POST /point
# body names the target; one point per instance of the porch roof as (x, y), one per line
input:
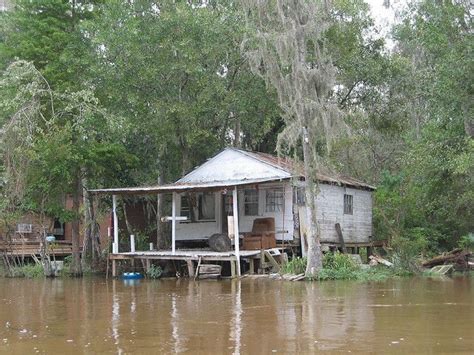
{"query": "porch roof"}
(182, 187)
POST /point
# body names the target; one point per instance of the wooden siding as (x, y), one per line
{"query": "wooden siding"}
(356, 227)
(204, 229)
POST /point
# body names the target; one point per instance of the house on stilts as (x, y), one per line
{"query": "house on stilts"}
(257, 200)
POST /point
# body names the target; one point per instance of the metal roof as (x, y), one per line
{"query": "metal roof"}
(181, 187)
(236, 167)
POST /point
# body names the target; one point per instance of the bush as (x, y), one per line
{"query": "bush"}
(28, 270)
(154, 272)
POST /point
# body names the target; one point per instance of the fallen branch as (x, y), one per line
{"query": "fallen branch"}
(456, 256)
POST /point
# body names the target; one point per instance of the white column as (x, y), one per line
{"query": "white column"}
(236, 228)
(115, 248)
(132, 243)
(173, 223)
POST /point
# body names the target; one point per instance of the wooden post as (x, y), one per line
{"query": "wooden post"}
(232, 268)
(115, 248)
(252, 266)
(114, 268)
(173, 224)
(236, 229)
(190, 268)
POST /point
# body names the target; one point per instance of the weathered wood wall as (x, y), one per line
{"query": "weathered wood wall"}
(356, 227)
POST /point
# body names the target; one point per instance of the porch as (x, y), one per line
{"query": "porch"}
(194, 258)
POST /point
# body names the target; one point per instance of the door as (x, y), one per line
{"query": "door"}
(227, 210)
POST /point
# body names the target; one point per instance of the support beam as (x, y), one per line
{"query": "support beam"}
(236, 228)
(173, 223)
(115, 248)
(190, 268)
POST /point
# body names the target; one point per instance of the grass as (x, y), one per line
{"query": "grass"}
(28, 270)
(337, 266)
(294, 266)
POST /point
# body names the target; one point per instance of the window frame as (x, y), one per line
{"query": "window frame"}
(274, 200)
(348, 204)
(200, 196)
(254, 203)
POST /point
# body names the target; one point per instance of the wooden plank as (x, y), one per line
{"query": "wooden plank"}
(197, 269)
(272, 261)
(341, 238)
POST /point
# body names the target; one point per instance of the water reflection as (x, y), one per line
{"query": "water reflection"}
(236, 320)
(68, 315)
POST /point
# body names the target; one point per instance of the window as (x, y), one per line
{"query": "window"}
(274, 200)
(185, 207)
(205, 203)
(299, 197)
(251, 202)
(348, 204)
(207, 206)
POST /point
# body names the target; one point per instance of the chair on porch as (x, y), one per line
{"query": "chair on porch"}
(262, 235)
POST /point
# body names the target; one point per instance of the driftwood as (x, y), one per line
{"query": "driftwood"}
(219, 242)
(375, 259)
(457, 256)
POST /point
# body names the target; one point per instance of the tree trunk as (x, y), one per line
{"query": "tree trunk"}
(237, 130)
(314, 254)
(76, 269)
(160, 235)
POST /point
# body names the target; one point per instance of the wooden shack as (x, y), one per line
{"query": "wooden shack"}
(233, 189)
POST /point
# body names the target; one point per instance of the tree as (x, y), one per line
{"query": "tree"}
(53, 142)
(288, 48)
(175, 71)
(433, 191)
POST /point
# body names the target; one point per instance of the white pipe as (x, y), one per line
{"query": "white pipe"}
(236, 228)
(173, 224)
(132, 243)
(151, 246)
(115, 246)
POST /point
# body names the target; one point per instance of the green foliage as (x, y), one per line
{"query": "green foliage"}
(28, 271)
(467, 242)
(295, 266)
(338, 266)
(154, 272)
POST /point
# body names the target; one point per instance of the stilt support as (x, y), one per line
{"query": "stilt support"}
(190, 268)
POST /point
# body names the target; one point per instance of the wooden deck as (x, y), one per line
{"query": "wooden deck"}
(30, 248)
(189, 256)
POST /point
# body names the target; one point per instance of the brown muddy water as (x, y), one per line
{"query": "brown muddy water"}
(92, 315)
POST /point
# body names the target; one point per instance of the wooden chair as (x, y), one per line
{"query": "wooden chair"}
(262, 235)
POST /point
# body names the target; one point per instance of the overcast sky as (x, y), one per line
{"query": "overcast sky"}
(385, 17)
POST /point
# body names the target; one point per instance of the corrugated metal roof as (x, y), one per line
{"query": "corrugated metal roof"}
(296, 169)
(235, 167)
(179, 187)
